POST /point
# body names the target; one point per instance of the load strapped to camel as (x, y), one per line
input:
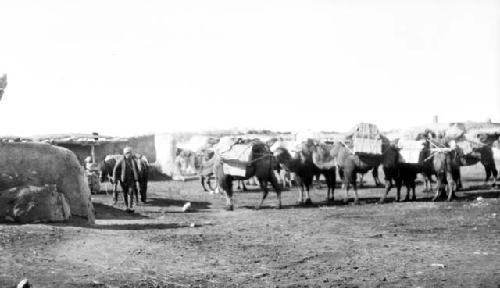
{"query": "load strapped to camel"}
(366, 138)
(323, 158)
(237, 158)
(410, 150)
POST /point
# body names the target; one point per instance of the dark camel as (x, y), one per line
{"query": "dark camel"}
(261, 166)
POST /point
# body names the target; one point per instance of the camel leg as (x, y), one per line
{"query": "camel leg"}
(378, 183)
(115, 194)
(341, 175)
(495, 175)
(413, 188)
(229, 203)
(347, 180)
(301, 194)
(399, 184)
(407, 195)
(265, 191)
(352, 179)
(209, 184)
(276, 187)
(241, 185)
(388, 186)
(427, 182)
(328, 184)
(450, 188)
(287, 182)
(438, 188)
(136, 196)
(318, 180)
(356, 197)
(488, 175)
(459, 180)
(229, 195)
(491, 172)
(203, 183)
(308, 196)
(300, 189)
(333, 179)
(361, 180)
(279, 178)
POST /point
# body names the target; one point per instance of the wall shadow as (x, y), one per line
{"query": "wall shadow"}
(108, 212)
(145, 226)
(165, 202)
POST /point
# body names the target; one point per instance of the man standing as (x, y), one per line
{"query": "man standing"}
(128, 177)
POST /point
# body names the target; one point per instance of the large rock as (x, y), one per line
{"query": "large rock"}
(39, 164)
(31, 204)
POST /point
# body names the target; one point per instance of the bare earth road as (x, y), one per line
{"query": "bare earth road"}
(419, 244)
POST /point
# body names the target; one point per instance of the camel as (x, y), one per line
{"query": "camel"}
(485, 156)
(261, 166)
(326, 164)
(445, 164)
(205, 168)
(304, 170)
(350, 165)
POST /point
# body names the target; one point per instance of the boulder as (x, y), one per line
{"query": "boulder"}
(32, 204)
(39, 164)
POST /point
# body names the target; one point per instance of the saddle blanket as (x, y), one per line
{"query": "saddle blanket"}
(323, 159)
(236, 160)
(410, 150)
(367, 145)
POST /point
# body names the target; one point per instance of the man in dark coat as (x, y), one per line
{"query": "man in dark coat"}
(129, 177)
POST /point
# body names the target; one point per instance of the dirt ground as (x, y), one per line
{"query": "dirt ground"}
(419, 244)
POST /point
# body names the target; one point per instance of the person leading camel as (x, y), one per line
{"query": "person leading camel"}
(128, 179)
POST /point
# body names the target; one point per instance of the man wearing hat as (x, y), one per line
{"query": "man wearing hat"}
(128, 177)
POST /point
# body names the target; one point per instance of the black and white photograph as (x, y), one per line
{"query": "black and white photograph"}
(249, 143)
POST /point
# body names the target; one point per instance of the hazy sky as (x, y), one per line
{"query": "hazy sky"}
(131, 67)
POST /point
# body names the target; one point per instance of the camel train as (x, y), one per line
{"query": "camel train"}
(439, 159)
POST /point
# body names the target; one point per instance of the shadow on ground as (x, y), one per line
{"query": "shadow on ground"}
(107, 212)
(165, 202)
(141, 226)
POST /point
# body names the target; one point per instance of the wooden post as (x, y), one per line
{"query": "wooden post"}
(92, 147)
(92, 152)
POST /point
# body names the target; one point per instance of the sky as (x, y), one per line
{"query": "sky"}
(131, 67)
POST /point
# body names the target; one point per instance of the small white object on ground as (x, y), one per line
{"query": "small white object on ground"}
(437, 265)
(23, 284)
(186, 207)
(192, 225)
